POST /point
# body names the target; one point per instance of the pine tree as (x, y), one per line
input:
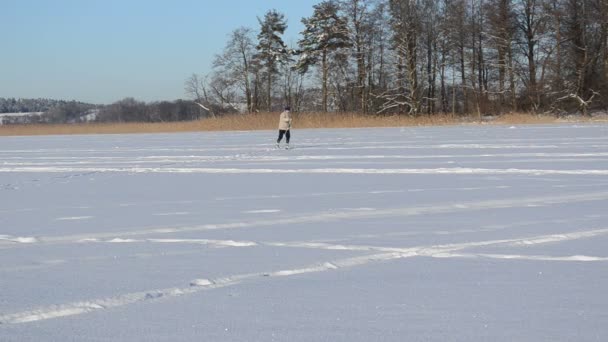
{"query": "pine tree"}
(272, 51)
(325, 31)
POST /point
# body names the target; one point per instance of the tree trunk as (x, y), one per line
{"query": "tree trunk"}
(604, 39)
(429, 71)
(360, 61)
(248, 94)
(501, 76)
(453, 93)
(531, 71)
(444, 95)
(381, 78)
(256, 92)
(269, 90)
(412, 72)
(530, 53)
(558, 85)
(401, 81)
(504, 41)
(325, 72)
(361, 78)
(369, 74)
(463, 79)
(511, 78)
(481, 69)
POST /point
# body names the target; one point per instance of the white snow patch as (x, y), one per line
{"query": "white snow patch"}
(88, 240)
(560, 237)
(264, 211)
(165, 230)
(18, 239)
(74, 218)
(201, 282)
(180, 213)
(573, 258)
(119, 240)
(221, 243)
(318, 268)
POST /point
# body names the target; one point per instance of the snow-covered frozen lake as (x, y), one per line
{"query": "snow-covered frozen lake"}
(467, 233)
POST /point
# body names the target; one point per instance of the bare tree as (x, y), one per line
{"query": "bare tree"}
(195, 87)
(582, 54)
(236, 62)
(532, 24)
(358, 14)
(405, 17)
(478, 75)
(430, 28)
(456, 28)
(225, 90)
(378, 45)
(500, 32)
(292, 86)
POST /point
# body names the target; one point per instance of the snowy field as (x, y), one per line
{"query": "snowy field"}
(469, 233)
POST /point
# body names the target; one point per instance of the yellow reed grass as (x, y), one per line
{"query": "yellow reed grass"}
(269, 121)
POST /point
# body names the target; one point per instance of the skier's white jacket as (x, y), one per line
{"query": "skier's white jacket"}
(285, 121)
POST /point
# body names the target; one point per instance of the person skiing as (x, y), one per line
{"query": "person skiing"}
(284, 126)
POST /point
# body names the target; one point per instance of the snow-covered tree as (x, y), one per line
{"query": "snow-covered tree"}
(406, 22)
(272, 51)
(325, 32)
(360, 25)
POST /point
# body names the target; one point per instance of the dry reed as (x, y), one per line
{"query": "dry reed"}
(269, 121)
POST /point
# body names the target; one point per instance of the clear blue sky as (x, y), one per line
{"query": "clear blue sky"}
(101, 51)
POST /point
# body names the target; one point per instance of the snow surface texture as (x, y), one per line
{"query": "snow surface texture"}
(404, 234)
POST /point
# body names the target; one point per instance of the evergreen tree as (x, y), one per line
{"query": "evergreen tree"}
(325, 31)
(272, 51)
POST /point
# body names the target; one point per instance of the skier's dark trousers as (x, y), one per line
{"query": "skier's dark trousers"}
(286, 133)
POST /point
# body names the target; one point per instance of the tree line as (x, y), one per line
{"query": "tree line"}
(12, 105)
(417, 57)
(131, 110)
(125, 110)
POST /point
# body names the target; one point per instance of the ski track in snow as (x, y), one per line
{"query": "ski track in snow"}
(201, 284)
(236, 159)
(321, 245)
(457, 170)
(328, 217)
